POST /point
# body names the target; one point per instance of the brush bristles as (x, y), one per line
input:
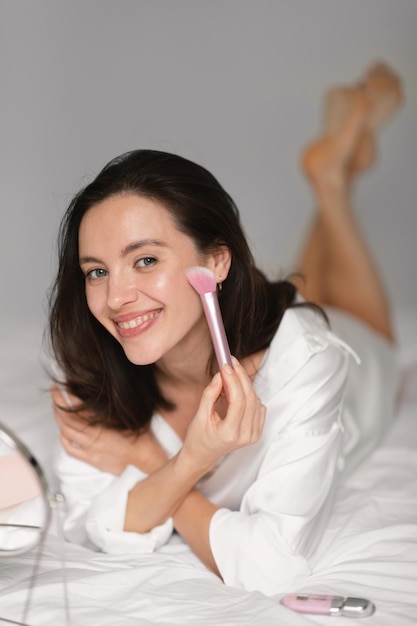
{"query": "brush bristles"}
(202, 279)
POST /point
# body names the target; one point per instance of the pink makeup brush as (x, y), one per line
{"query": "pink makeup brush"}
(204, 282)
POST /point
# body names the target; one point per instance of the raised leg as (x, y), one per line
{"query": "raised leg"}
(336, 263)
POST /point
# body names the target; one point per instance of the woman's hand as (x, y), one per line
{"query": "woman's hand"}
(209, 436)
(106, 449)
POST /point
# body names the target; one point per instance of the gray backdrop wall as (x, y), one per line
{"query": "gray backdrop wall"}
(235, 84)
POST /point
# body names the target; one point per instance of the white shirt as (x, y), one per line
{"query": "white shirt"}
(325, 412)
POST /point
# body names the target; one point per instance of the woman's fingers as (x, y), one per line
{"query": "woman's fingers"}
(246, 414)
(219, 427)
(75, 434)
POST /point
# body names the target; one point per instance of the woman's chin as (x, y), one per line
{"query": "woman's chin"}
(141, 358)
(135, 360)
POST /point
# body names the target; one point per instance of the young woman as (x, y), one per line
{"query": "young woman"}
(149, 442)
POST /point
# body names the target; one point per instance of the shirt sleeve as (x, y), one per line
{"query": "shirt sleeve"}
(96, 507)
(266, 544)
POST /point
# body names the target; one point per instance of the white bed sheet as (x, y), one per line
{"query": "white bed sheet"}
(369, 550)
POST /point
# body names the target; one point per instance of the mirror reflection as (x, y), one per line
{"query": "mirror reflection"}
(24, 507)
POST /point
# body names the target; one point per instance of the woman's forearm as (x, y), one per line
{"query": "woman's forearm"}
(156, 498)
(192, 521)
(169, 492)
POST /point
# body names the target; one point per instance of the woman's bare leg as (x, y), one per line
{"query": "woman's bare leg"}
(336, 262)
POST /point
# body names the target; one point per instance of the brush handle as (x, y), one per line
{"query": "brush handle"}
(215, 323)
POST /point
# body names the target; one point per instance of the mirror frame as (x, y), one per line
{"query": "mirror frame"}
(10, 440)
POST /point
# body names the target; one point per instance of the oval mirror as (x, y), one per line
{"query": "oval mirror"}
(24, 501)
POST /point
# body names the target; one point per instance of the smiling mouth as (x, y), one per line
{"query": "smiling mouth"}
(138, 321)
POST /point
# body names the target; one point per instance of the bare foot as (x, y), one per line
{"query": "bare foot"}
(352, 117)
(331, 157)
(384, 92)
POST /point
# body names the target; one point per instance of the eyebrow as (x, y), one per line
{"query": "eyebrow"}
(131, 247)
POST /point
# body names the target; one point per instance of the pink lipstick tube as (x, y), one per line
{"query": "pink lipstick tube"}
(336, 606)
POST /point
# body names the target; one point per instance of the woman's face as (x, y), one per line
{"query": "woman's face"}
(134, 260)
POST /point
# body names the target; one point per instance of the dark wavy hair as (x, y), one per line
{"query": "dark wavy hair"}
(114, 392)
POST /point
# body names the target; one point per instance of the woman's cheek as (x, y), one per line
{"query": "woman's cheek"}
(94, 302)
(161, 282)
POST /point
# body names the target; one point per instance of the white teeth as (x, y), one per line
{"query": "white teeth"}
(138, 321)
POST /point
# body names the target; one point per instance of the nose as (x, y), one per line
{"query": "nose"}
(121, 290)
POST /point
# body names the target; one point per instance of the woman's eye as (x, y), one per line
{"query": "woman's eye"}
(95, 274)
(146, 261)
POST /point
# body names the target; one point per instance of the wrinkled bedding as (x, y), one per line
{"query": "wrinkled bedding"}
(369, 549)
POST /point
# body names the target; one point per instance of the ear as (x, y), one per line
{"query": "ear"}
(219, 262)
